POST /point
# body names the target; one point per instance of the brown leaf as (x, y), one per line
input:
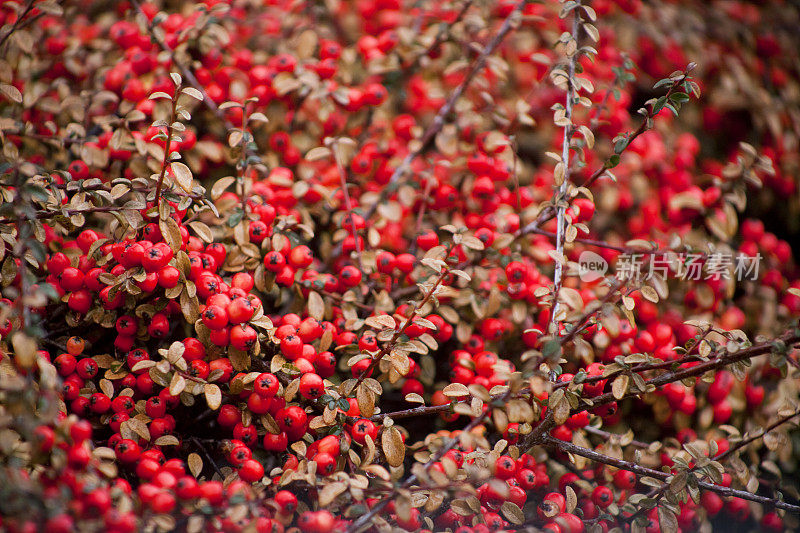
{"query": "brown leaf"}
(167, 440)
(330, 492)
(455, 390)
(177, 385)
(202, 231)
(183, 176)
(366, 401)
(195, 464)
(393, 447)
(620, 386)
(316, 307)
(219, 187)
(512, 512)
(213, 395)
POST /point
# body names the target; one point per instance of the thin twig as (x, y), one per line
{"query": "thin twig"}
(165, 162)
(663, 476)
(560, 194)
(441, 117)
(364, 519)
(18, 24)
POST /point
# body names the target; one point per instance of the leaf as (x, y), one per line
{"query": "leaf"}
(512, 512)
(11, 92)
(330, 492)
(195, 464)
(202, 231)
(171, 233)
(320, 152)
(194, 93)
(213, 396)
(455, 390)
(667, 520)
(316, 307)
(235, 138)
(167, 440)
(413, 397)
(620, 386)
(649, 293)
(177, 385)
(183, 176)
(366, 401)
(472, 242)
(393, 447)
(24, 349)
(138, 427)
(219, 187)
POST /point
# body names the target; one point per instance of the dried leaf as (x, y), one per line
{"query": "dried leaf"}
(316, 307)
(195, 464)
(213, 395)
(393, 447)
(182, 175)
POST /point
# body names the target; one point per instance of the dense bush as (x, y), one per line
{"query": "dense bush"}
(339, 266)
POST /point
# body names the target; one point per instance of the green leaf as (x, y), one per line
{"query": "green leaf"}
(612, 161)
(659, 105)
(235, 217)
(662, 83)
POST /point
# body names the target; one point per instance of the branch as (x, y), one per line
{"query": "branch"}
(185, 71)
(663, 476)
(440, 38)
(744, 442)
(540, 431)
(348, 204)
(388, 347)
(364, 519)
(607, 435)
(559, 195)
(165, 162)
(40, 215)
(646, 124)
(18, 24)
(441, 117)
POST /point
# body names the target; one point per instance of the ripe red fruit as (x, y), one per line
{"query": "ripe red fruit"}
(240, 310)
(276, 442)
(505, 467)
(214, 317)
(300, 257)
(311, 386)
(266, 385)
(624, 479)
(243, 337)
(251, 471)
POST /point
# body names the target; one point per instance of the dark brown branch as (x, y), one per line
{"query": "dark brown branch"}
(364, 520)
(165, 162)
(664, 476)
(19, 23)
(744, 442)
(730, 358)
